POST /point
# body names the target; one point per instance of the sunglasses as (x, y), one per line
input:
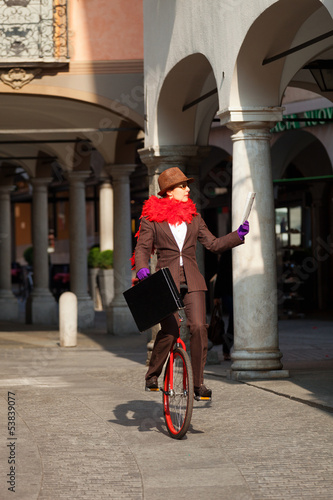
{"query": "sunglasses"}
(184, 185)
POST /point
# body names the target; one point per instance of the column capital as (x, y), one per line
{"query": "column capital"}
(240, 118)
(77, 175)
(40, 181)
(105, 181)
(160, 158)
(119, 171)
(6, 188)
(104, 175)
(255, 131)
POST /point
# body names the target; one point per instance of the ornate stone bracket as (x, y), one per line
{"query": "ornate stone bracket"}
(18, 77)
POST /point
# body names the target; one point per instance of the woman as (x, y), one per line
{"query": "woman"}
(171, 226)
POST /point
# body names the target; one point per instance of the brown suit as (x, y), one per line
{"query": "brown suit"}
(159, 236)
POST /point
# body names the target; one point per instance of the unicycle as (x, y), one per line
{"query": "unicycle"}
(178, 391)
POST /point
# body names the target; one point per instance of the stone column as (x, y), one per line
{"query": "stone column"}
(256, 346)
(78, 248)
(106, 215)
(41, 305)
(8, 302)
(119, 318)
(103, 279)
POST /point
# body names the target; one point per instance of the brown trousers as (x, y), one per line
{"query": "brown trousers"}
(195, 310)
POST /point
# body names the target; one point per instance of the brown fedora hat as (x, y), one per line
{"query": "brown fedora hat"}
(170, 178)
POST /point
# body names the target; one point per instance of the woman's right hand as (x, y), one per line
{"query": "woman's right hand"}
(243, 230)
(143, 273)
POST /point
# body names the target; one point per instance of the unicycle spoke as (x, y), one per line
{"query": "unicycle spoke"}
(178, 397)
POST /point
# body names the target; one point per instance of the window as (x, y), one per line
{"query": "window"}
(33, 31)
(288, 226)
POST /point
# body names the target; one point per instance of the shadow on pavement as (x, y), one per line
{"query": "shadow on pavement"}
(145, 416)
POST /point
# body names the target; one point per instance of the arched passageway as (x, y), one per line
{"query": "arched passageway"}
(303, 178)
(57, 151)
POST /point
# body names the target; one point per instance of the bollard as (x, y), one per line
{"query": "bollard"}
(68, 319)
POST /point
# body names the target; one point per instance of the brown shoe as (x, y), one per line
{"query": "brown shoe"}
(202, 393)
(152, 384)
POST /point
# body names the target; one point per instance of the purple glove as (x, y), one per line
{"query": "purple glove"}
(243, 230)
(143, 273)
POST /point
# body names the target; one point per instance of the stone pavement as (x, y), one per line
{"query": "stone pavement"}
(86, 429)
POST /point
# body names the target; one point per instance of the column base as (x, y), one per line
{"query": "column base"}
(119, 319)
(41, 308)
(85, 312)
(256, 360)
(257, 364)
(9, 310)
(256, 374)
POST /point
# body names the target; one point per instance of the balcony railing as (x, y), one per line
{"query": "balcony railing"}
(33, 31)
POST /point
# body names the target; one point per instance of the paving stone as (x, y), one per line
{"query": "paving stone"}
(86, 429)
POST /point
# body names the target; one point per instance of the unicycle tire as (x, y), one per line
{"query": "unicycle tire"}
(178, 403)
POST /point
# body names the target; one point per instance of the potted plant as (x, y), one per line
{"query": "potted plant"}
(28, 255)
(93, 268)
(93, 257)
(105, 259)
(105, 277)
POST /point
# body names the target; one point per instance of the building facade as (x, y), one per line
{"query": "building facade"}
(71, 93)
(227, 92)
(236, 61)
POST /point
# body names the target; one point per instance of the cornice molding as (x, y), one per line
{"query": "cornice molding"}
(18, 76)
(105, 67)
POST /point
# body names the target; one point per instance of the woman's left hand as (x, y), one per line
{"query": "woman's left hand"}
(143, 273)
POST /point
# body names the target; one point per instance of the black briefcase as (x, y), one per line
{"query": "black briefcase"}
(153, 299)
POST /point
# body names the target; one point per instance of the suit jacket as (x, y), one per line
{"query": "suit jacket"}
(159, 236)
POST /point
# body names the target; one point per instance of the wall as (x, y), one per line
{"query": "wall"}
(106, 30)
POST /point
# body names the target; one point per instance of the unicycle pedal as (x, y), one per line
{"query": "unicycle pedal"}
(202, 393)
(152, 389)
(202, 398)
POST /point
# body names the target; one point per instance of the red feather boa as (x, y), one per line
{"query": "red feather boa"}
(167, 210)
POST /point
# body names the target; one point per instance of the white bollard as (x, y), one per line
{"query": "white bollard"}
(68, 319)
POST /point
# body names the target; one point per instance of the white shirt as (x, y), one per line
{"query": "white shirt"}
(179, 233)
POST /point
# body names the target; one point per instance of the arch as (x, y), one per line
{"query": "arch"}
(81, 96)
(299, 145)
(51, 113)
(300, 164)
(282, 26)
(188, 80)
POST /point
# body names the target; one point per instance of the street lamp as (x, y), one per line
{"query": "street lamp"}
(322, 72)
